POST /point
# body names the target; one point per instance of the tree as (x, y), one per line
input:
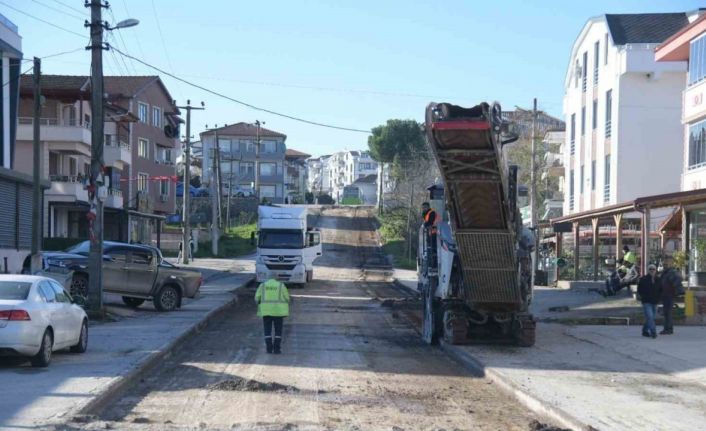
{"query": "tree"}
(396, 138)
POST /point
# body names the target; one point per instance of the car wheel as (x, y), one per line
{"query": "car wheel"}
(133, 302)
(79, 285)
(167, 299)
(82, 344)
(43, 357)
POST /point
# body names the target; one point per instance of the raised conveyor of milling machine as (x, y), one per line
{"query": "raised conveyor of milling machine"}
(480, 279)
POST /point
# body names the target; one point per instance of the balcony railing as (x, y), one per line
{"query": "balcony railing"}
(608, 129)
(68, 178)
(52, 121)
(115, 192)
(606, 193)
(571, 203)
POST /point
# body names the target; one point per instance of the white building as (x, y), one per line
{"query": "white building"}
(554, 169)
(623, 111)
(317, 175)
(344, 168)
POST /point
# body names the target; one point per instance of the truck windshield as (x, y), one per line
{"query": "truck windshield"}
(281, 238)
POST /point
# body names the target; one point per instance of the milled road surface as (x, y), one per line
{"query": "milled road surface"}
(350, 361)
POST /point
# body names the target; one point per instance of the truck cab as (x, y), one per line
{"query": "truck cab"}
(286, 246)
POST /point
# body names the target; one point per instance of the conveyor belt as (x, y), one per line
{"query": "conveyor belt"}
(467, 148)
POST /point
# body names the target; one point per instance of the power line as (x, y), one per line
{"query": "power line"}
(42, 20)
(23, 73)
(55, 9)
(164, 45)
(137, 39)
(82, 12)
(124, 45)
(45, 57)
(240, 102)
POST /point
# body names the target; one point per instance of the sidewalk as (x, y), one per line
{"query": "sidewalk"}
(41, 397)
(608, 377)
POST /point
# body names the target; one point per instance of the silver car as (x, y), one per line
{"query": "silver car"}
(38, 317)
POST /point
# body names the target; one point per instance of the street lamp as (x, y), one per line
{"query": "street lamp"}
(130, 22)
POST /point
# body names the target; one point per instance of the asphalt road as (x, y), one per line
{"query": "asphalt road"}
(351, 360)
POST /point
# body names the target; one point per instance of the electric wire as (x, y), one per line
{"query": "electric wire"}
(82, 12)
(122, 40)
(61, 11)
(164, 45)
(42, 20)
(137, 39)
(240, 102)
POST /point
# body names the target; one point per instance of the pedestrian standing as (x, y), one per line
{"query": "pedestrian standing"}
(650, 290)
(272, 298)
(671, 281)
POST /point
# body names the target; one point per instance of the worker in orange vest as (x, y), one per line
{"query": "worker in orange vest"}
(431, 220)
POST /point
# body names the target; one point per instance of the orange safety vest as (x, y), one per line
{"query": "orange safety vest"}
(427, 219)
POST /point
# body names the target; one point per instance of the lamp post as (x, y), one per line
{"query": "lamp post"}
(96, 188)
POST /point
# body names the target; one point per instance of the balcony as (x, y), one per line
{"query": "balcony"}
(63, 135)
(67, 188)
(116, 153)
(114, 199)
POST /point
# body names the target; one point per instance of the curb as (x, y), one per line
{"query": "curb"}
(122, 383)
(520, 394)
(401, 285)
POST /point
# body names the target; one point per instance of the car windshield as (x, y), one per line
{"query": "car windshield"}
(17, 290)
(82, 248)
(284, 238)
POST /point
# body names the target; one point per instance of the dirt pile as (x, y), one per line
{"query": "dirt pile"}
(535, 425)
(249, 385)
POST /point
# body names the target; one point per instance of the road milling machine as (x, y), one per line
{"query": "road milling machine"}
(475, 263)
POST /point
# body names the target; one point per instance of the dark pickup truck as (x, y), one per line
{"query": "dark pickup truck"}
(136, 272)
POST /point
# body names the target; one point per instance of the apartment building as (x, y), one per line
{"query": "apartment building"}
(688, 46)
(622, 111)
(237, 157)
(553, 174)
(295, 175)
(318, 175)
(15, 186)
(138, 153)
(346, 167)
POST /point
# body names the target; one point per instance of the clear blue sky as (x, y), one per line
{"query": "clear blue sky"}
(354, 64)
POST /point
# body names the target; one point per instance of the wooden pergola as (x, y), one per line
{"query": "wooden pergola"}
(615, 213)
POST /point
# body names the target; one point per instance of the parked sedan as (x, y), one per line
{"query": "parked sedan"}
(38, 317)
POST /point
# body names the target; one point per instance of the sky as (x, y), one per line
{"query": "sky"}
(349, 63)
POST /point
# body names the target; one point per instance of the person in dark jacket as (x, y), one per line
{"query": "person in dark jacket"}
(671, 282)
(650, 290)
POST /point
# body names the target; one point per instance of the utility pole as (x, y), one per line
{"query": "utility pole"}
(95, 215)
(36, 263)
(215, 191)
(186, 239)
(257, 161)
(381, 171)
(533, 184)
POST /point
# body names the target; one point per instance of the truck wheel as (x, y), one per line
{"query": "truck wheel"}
(133, 302)
(43, 357)
(167, 299)
(79, 285)
(525, 330)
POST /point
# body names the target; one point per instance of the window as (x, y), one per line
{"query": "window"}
(697, 145)
(73, 166)
(61, 295)
(583, 121)
(606, 179)
(118, 256)
(247, 168)
(268, 169)
(268, 146)
(593, 175)
(573, 133)
(156, 116)
(571, 190)
(164, 187)
(143, 182)
(249, 146)
(14, 290)
(577, 74)
(143, 148)
(594, 115)
(697, 60)
(596, 60)
(47, 292)
(608, 112)
(605, 50)
(584, 71)
(141, 257)
(53, 163)
(267, 191)
(142, 112)
(167, 154)
(86, 120)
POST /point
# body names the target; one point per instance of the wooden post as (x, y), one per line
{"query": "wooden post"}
(618, 218)
(576, 251)
(558, 250)
(645, 240)
(595, 242)
(684, 236)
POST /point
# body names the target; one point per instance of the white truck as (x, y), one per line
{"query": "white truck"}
(286, 246)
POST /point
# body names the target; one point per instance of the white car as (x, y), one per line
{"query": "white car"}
(38, 317)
